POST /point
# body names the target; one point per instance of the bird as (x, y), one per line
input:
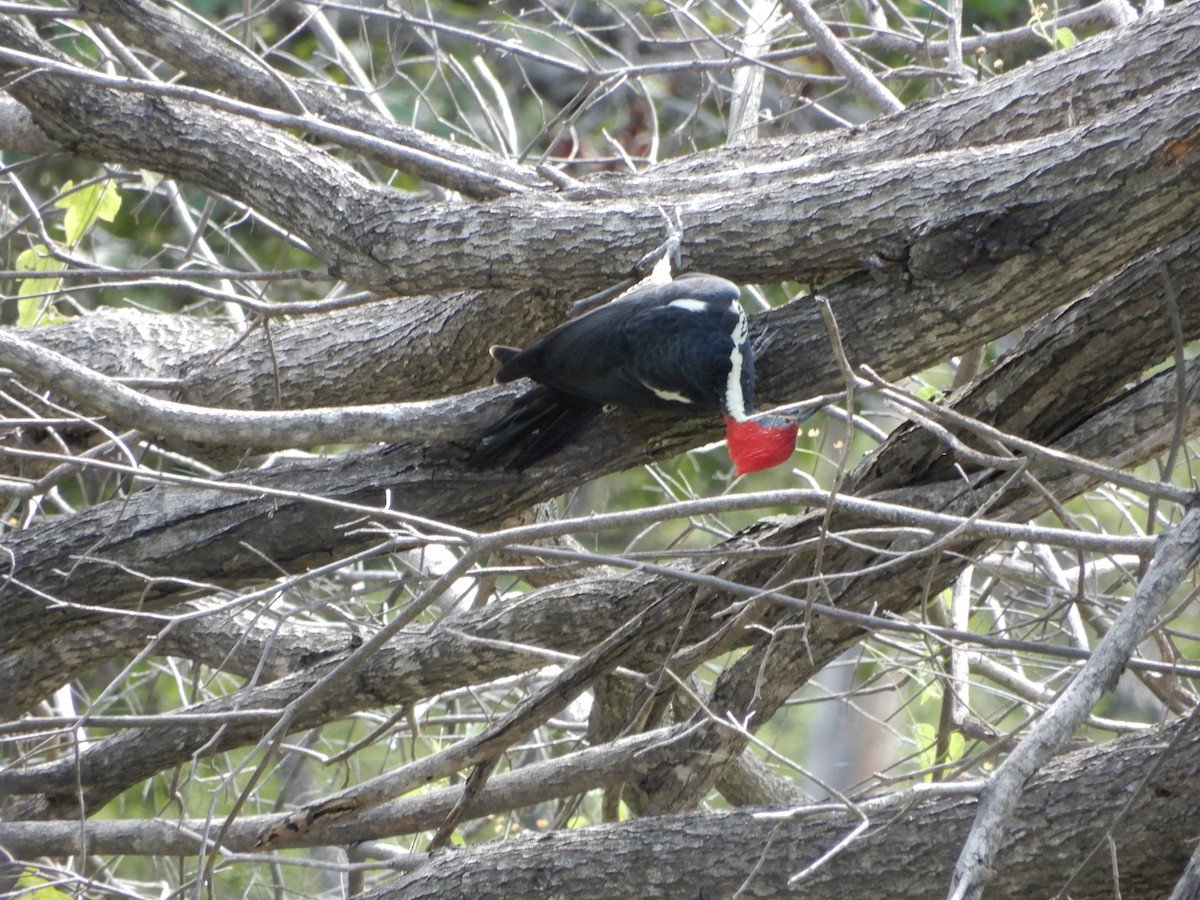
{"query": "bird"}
(680, 346)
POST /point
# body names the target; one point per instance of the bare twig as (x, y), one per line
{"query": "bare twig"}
(1175, 556)
(448, 419)
(855, 73)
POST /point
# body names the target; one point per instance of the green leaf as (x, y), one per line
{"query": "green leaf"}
(35, 887)
(926, 757)
(930, 693)
(36, 294)
(1064, 38)
(926, 739)
(958, 746)
(101, 200)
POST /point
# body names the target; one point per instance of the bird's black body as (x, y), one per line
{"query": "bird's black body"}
(657, 343)
(679, 347)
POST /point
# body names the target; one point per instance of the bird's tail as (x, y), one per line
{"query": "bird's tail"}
(538, 423)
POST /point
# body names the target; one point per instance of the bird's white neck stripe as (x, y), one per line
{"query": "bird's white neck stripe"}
(735, 402)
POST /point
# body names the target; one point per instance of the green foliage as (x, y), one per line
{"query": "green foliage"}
(34, 295)
(34, 886)
(1042, 22)
(925, 735)
(84, 206)
(100, 201)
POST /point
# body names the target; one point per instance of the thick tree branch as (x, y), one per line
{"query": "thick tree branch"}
(108, 550)
(910, 852)
(224, 65)
(433, 420)
(1063, 817)
(572, 773)
(430, 341)
(245, 642)
(758, 234)
(776, 841)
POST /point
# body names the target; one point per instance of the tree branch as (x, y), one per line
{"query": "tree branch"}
(1064, 814)
(841, 58)
(934, 202)
(433, 420)
(224, 65)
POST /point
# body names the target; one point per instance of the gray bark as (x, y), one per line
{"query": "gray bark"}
(1053, 199)
(1060, 826)
(906, 853)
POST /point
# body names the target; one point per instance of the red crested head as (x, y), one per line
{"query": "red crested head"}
(760, 443)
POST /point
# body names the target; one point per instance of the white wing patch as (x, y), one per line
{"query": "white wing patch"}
(690, 305)
(669, 395)
(735, 403)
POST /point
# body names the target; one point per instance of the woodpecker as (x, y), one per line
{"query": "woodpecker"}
(678, 347)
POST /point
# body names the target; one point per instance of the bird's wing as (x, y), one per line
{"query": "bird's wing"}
(581, 347)
(663, 347)
(681, 356)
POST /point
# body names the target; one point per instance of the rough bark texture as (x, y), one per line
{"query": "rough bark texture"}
(1083, 164)
(905, 853)
(1060, 199)
(1061, 827)
(146, 534)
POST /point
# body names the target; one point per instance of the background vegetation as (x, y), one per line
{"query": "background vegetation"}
(265, 634)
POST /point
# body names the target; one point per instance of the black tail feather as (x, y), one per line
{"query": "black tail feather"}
(540, 422)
